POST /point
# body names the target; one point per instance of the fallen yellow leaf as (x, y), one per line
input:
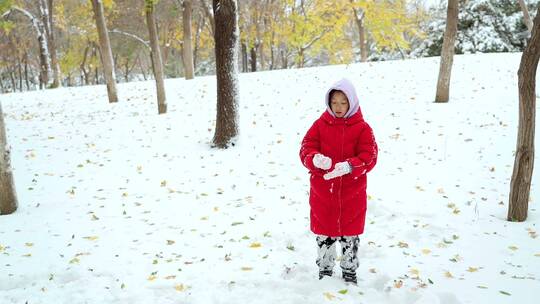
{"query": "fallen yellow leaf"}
(448, 275)
(255, 245)
(170, 242)
(329, 296)
(74, 261)
(247, 268)
(91, 238)
(513, 247)
(398, 284)
(180, 287)
(426, 251)
(472, 269)
(152, 277)
(29, 244)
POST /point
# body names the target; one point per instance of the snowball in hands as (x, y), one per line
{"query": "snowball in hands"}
(339, 170)
(322, 162)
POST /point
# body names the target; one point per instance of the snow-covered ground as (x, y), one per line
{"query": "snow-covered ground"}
(120, 205)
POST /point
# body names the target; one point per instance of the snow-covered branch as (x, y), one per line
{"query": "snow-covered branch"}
(137, 38)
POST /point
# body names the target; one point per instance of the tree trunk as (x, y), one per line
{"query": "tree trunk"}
(226, 42)
(83, 68)
(2, 89)
(209, 16)
(105, 51)
(447, 52)
(19, 69)
(253, 59)
(526, 16)
(520, 185)
(13, 82)
(361, 33)
(48, 21)
(156, 57)
(8, 197)
(26, 70)
(244, 57)
(188, 49)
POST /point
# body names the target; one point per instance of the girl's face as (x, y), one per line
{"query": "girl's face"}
(339, 104)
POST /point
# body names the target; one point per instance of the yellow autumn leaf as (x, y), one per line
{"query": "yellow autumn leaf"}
(398, 284)
(247, 268)
(2, 248)
(170, 242)
(74, 261)
(329, 296)
(29, 244)
(170, 277)
(255, 245)
(91, 238)
(448, 275)
(472, 269)
(27, 255)
(204, 218)
(426, 251)
(414, 271)
(536, 255)
(152, 277)
(163, 183)
(179, 287)
(514, 248)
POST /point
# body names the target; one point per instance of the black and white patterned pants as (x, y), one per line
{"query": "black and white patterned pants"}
(327, 252)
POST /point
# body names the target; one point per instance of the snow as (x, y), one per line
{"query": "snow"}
(121, 205)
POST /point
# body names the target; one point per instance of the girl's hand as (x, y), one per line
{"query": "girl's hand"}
(339, 170)
(322, 162)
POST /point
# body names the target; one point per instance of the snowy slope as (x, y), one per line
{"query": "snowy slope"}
(120, 205)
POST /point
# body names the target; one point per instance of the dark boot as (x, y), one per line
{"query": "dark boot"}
(323, 273)
(349, 277)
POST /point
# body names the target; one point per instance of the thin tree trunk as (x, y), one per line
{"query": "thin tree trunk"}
(2, 89)
(226, 48)
(19, 69)
(83, 67)
(209, 15)
(200, 25)
(253, 59)
(361, 34)
(156, 57)
(105, 51)
(187, 48)
(26, 70)
(8, 196)
(447, 52)
(520, 185)
(48, 21)
(526, 16)
(244, 57)
(13, 82)
(142, 69)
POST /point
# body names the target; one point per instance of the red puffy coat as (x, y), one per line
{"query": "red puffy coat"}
(338, 206)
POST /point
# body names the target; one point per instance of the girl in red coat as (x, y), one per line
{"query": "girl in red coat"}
(339, 149)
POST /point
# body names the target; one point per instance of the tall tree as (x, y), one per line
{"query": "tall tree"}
(520, 185)
(156, 55)
(106, 52)
(447, 52)
(226, 46)
(187, 48)
(8, 197)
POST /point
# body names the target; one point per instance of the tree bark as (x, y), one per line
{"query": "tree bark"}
(8, 196)
(83, 68)
(447, 52)
(26, 70)
(187, 48)
(156, 57)
(226, 48)
(520, 184)
(526, 16)
(105, 51)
